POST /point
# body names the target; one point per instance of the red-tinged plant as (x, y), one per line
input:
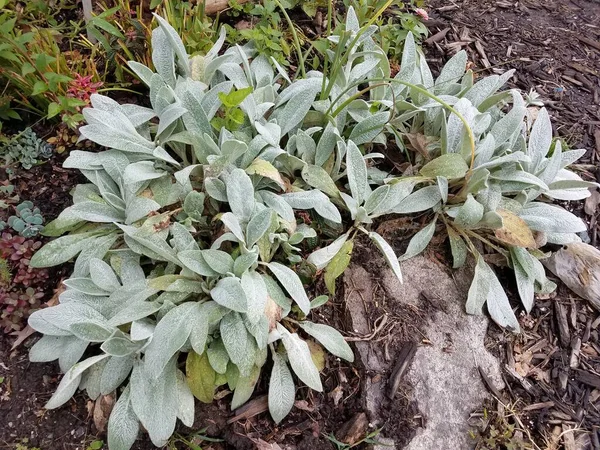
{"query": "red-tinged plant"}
(21, 286)
(82, 87)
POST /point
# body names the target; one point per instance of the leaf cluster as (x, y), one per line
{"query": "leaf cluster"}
(25, 148)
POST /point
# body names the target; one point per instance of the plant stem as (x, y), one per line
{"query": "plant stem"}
(295, 37)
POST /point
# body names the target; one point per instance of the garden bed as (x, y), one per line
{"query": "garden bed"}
(555, 47)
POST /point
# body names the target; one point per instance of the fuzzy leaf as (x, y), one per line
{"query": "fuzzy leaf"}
(282, 391)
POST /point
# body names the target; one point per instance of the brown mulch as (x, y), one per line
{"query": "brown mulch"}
(552, 370)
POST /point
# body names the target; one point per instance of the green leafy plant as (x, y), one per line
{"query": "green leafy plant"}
(26, 149)
(28, 221)
(190, 244)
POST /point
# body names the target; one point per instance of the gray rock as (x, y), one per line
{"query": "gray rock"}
(446, 385)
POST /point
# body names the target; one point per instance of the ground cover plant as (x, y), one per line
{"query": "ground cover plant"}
(209, 210)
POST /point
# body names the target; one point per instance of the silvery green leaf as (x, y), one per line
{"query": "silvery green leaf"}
(256, 294)
(357, 173)
(138, 115)
(399, 190)
(469, 213)
(270, 131)
(233, 224)
(388, 253)
(450, 165)
(193, 205)
(245, 387)
(551, 219)
(366, 130)
(151, 245)
(421, 200)
(102, 275)
(96, 212)
(442, 183)
(119, 346)
(163, 56)
(185, 400)
(487, 289)
(176, 44)
(215, 188)
(570, 156)
(321, 257)
(525, 285)
(510, 124)
(142, 329)
(218, 260)
(141, 171)
(562, 238)
(123, 425)
(199, 325)
(326, 144)
(154, 400)
(452, 71)
(70, 382)
(540, 139)
(455, 128)
(138, 208)
(292, 284)
(419, 241)
(171, 333)
(517, 176)
(278, 203)
(143, 72)
(217, 356)
(330, 338)
(409, 59)
(111, 133)
(300, 359)
(229, 293)
(244, 262)
(48, 348)
(480, 287)
(482, 89)
(240, 345)
(258, 226)
(318, 178)
(299, 97)
(240, 195)
(551, 170)
(135, 310)
(282, 391)
(458, 248)
(498, 305)
(116, 370)
(168, 116)
(569, 186)
(316, 200)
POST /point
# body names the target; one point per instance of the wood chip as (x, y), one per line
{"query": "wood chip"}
(563, 324)
(588, 41)
(404, 359)
(437, 37)
(354, 430)
(536, 406)
(251, 409)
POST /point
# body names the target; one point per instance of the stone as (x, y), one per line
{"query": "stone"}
(446, 385)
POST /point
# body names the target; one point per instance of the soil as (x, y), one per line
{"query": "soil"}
(555, 47)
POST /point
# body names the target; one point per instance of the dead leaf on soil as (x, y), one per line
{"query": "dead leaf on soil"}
(591, 203)
(419, 143)
(21, 335)
(578, 266)
(263, 445)
(514, 230)
(102, 409)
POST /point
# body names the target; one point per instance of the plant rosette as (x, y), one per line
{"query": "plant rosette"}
(195, 224)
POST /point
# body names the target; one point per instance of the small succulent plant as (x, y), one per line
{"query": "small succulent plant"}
(28, 221)
(25, 148)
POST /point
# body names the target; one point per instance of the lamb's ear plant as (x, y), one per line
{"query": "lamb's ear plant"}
(209, 211)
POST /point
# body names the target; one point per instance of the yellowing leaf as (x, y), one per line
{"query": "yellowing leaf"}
(201, 377)
(265, 169)
(450, 166)
(337, 265)
(514, 230)
(317, 353)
